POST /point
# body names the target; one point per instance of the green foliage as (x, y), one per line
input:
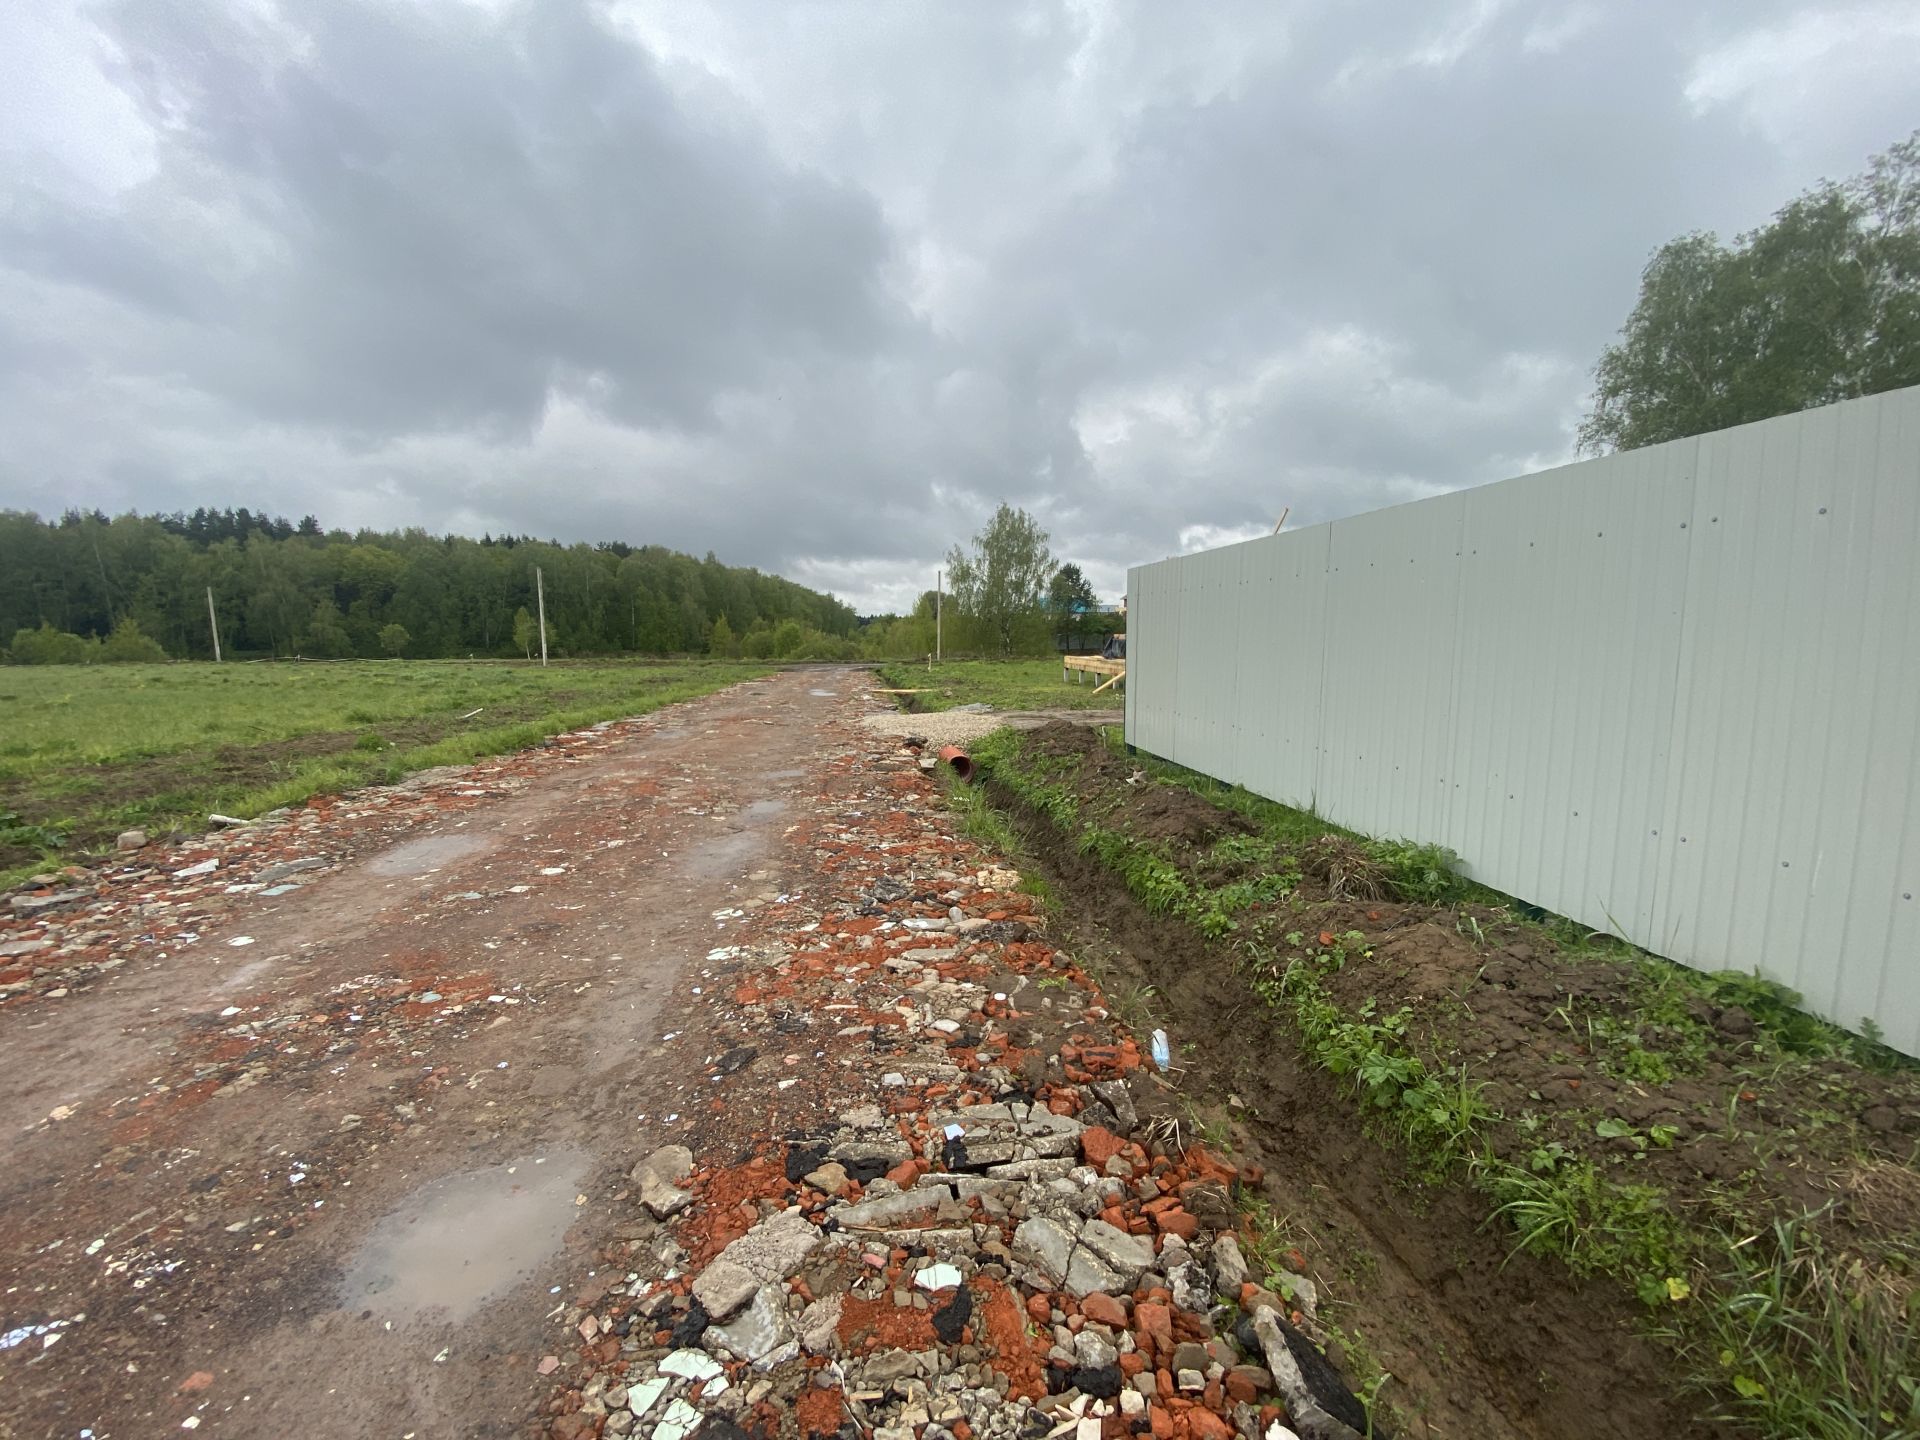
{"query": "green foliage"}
(86, 753)
(1000, 585)
(1807, 1342)
(977, 815)
(1003, 684)
(1820, 304)
(1592, 1223)
(1068, 592)
(720, 641)
(48, 646)
(27, 835)
(130, 645)
(282, 590)
(327, 637)
(394, 639)
(1777, 1010)
(1423, 874)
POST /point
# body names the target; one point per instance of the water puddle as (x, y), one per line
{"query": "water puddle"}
(416, 857)
(724, 856)
(824, 694)
(466, 1238)
(783, 775)
(760, 810)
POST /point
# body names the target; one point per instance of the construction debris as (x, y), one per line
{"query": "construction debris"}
(989, 1231)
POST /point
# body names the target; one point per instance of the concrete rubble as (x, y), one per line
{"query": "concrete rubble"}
(984, 1232)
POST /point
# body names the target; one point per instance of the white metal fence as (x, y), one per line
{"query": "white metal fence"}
(1672, 693)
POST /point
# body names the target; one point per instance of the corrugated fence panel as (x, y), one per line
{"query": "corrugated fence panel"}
(1153, 655)
(1282, 640)
(1673, 693)
(1393, 583)
(1554, 798)
(1788, 840)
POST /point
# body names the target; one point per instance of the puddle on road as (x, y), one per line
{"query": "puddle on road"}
(724, 855)
(824, 694)
(783, 774)
(762, 810)
(418, 856)
(463, 1239)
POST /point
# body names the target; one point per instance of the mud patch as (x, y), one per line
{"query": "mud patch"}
(465, 1239)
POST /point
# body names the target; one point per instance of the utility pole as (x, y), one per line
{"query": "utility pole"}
(939, 579)
(214, 621)
(540, 589)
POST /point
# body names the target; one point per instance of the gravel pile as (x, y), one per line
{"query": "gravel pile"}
(941, 727)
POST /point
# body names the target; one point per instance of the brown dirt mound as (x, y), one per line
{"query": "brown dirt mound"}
(1152, 812)
(1058, 739)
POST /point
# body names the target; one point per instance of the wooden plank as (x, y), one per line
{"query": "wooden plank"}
(1113, 680)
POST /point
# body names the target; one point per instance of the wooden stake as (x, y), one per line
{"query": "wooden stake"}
(540, 589)
(214, 621)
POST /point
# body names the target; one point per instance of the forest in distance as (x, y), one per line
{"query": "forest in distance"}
(86, 588)
(135, 587)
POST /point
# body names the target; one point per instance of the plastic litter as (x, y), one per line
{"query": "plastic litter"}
(1162, 1053)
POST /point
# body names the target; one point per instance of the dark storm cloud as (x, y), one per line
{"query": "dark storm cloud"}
(817, 285)
(428, 218)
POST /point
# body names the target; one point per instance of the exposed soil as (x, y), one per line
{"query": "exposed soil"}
(1480, 1341)
(237, 1122)
(1723, 1115)
(1516, 1007)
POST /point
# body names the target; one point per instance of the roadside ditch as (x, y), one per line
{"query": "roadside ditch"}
(1550, 1188)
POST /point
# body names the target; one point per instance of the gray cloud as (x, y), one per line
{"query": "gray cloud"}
(817, 285)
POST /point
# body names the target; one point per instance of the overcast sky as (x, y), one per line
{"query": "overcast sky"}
(815, 286)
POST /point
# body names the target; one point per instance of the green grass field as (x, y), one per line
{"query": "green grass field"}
(89, 751)
(1004, 684)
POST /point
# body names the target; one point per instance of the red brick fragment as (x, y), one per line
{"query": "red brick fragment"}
(1099, 1145)
(1176, 1222)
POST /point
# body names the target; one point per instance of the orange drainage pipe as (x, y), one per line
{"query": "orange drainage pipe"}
(961, 762)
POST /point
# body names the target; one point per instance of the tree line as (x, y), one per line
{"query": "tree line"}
(87, 587)
(1820, 304)
(1006, 595)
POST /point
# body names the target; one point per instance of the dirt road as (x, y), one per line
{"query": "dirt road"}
(686, 1078)
(320, 1163)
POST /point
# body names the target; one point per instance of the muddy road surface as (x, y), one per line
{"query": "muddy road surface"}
(317, 1148)
(694, 1077)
